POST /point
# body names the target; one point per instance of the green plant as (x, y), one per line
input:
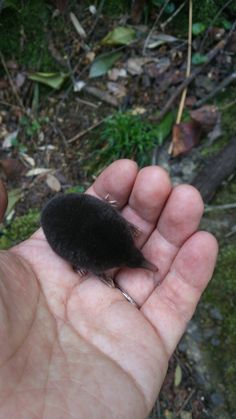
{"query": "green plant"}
(32, 126)
(127, 136)
(20, 229)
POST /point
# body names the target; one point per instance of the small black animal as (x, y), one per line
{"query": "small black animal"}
(90, 234)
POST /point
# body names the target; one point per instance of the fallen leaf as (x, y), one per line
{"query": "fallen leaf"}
(7, 142)
(12, 168)
(53, 183)
(54, 80)
(20, 80)
(119, 36)
(37, 171)
(4, 84)
(135, 65)
(77, 25)
(138, 110)
(198, 28)
(14, 196)
(160, 39)
(185, 136)
(154, 70)
(165, 126)
(186, 415)
(115, 73)
(198, 58)
(206, 116)
(117, 89)
(103, 63)
(28, 159)
(79, 85)
(178, 375)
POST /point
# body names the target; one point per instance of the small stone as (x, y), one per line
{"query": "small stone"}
(215, 341)
(217, 399)
(216, 314)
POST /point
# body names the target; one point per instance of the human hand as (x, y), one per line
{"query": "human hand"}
(71, 346)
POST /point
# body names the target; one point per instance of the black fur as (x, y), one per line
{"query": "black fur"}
(90, 234)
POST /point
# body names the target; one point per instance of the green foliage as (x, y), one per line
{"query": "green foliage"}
(22, 33)
(20, 229)
(126, 136)
(32, 126)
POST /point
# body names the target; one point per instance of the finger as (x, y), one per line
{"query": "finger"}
(3, 200)
(172, 304)
(178, 221)
(148, 197)
(116, 181)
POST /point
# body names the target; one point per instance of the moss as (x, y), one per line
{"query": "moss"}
(23, 34)
(221, 294)
(20, 229)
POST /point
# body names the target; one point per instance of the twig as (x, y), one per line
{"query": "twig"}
(227, 106)
(185, 402)
(20, 103)
(211, 25)
(210, 208)
(99, 11)
(82, 133)
(210, 56)
(86, 102)
(217, 89)
(99, 94)
(188, 70)
(164, 24)
(154, 25)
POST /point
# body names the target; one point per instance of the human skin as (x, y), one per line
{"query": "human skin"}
(71, 347)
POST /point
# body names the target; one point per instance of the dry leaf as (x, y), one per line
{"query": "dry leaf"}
(115, 73)
(7, 143)
(117, 89)
(78, 27)
(185, 136)
(28, 159)
(206, 116)
(53, 183)
(12, 168)
(38, 171)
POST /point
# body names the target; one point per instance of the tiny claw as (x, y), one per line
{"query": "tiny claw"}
(80, 271)
(107, 279)
(113, 203)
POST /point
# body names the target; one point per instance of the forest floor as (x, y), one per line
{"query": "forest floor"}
(79, 89)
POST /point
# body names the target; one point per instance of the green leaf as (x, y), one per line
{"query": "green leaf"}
(178, 375)
(226, 24)
(54, 80)
(198, 59)
(165, 127)
(13, 197)
(103, 63)
(198, 28)
(170, 8)
(119, 36)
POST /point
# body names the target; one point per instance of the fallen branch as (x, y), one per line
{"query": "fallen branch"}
(228, 80)
(85, 131)
(209, 57)
(217, 169)
(100, 94)
(14, 89)
(210, 208)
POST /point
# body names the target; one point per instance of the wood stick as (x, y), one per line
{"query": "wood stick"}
(217, 169)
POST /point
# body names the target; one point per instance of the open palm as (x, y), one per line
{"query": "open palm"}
(71, 347)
